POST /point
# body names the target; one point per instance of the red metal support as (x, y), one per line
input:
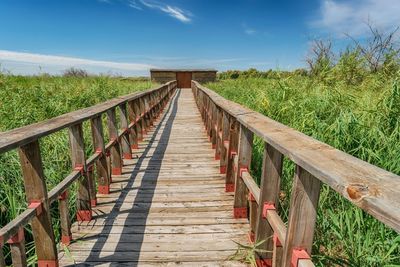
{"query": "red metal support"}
(240, 212)
(37, 205)
(47, 263)
(267, 206)
(18, 237)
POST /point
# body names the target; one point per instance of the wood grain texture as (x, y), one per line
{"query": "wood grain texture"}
(168, 207)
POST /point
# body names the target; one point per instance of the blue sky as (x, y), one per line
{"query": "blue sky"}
(130, 36)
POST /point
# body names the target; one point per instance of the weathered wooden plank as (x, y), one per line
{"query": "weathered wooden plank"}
(243, 164)
(302, 214)
(36, 192)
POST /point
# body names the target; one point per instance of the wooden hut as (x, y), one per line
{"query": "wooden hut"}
(183, 76)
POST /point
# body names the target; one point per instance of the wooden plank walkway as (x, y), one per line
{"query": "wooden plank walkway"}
(169, 206)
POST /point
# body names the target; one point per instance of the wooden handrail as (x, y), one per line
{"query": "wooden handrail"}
(151, 103)
(365, 185)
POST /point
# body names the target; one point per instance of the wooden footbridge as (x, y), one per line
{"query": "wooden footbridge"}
(170, 185)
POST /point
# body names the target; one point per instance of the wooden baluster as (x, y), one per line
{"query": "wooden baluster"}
(209, 118)
(92, 185)
(84, 212)
(143, 117)
(17, 249)
(269, 195)
(115, 150)
(65, 222)
(103, 174)
(132, 119)
(253, 208)
(233, 147)
(219, 143)
(302, 215)
(138, 125)
(213, 125)
(36, 191)
(243, 164)
(125, 143)
(224, 141)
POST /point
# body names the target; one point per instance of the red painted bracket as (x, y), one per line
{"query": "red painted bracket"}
(217, 156)
(84, 215)
(135, 146)
(277, 242)
(47, 263)
(18, 237)
(116, 171)
(267, 206)
(242, 169)
(213, 146)
(93, 203)
(229, 187)
(104, 189)
(37, 205)
(108, 153)
(79, 167)
(66, 240)
(233, 153)
(127, 155)
(99, 151)
(264, 262)
(240, 212)
(298, 254)
(222, 169)
(63, 195)
(251, 197)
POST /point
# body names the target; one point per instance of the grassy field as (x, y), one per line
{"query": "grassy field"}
(362, 120)
(26, 100)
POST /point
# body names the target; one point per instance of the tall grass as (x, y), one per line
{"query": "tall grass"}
(362, 120)
(26, 100)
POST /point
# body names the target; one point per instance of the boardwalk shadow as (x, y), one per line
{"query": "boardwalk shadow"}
(128, 241)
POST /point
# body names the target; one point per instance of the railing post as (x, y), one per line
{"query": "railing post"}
(115, 150)
(65, 222)
(132, 119)
(2, 259)
(84, 212)
(92, 185)
(243, 164)
(213, 132)
(302, 215)
(103, 174)
(233, 146)
(17, 249)
(219, 142)
(224, 142)
(138, 124)
(125, 143)
(269, 195)
(36, 191)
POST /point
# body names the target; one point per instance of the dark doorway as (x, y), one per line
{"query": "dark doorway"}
(184, 79)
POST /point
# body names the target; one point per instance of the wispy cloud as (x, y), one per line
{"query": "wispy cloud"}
(350, 17)
(248, 30)
(172, 11)
(66, 62)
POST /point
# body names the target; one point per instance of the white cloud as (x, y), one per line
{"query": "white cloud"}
(175, 12)
(351, 17)
(62, 62)
(248, 30)
(134, 4)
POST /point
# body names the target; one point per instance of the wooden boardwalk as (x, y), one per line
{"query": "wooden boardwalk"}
(169, 206)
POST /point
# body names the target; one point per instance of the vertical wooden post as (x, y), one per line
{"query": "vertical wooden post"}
(92, 185)
(116, 157)
(125, 143)
(17, 247)
(224, 140)
(138, 124)
(143, 113)
(76, 143)
(132, 119)
(219, 143)
(269, 194)
(36, 191)
(253, 208)
(103, 175)
(213, 131)
(65, 222)
(302, 215)
(243, 164)
(233, 148)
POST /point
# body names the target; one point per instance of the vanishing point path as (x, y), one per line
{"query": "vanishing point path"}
(169, 207)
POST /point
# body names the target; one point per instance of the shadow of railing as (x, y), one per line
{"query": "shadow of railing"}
(130, 240)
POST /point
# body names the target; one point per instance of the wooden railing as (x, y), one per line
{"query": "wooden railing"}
(231, 128)
(136, 113)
